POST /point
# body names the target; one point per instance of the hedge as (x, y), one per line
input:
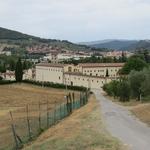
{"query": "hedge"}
(55, 85)
(2, 82)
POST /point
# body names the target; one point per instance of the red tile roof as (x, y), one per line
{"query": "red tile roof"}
(90, 65)
(50, 65)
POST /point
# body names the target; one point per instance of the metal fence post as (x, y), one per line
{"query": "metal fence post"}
(55, 113)
(13, 130)
(73, 100)
(28, 122)
(39, 116)
(47, 115)
(60, 112)
(70, 103)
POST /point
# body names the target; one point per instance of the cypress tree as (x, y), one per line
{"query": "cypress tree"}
(18, 71)
(107, 73)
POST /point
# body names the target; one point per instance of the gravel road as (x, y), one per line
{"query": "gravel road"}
(123, 125)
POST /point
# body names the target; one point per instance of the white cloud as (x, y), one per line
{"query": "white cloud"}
(78, 20)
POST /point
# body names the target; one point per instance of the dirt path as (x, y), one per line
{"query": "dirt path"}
(123, 125)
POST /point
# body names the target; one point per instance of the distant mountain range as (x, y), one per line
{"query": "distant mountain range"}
(130, 45)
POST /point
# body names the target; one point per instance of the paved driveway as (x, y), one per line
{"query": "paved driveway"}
(123, 125)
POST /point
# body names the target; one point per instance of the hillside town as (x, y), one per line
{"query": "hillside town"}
(74, 75)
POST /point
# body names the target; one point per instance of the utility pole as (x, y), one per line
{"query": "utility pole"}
(42, 80)
(66, 86)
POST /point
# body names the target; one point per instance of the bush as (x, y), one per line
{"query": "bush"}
(119, 89)
(55, 85)
(2, 82)
(133, 64)
(111, 88)
(124, 90)
(1, 78)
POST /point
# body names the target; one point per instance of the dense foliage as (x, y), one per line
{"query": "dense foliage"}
(133, 64)
(55, 85)
(135, 85)
(9, 63)
(2, 82)
(19, 71)
(137, 62)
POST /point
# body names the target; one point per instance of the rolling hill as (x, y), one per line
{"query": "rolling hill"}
(13, 35)
(13, 39)
(130, 45)
(112, 44)
(142, 44)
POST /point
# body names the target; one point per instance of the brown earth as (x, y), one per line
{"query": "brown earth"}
(142, 111)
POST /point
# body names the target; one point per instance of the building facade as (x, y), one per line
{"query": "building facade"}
(87, 75)
(49, 72)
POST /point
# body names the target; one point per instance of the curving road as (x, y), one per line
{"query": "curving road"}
(123, 125)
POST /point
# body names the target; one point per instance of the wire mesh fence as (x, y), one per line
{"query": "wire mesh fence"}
(26, 123)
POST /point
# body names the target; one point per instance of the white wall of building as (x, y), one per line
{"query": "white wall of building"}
(86, 81)
(93, 75)
(50, 74)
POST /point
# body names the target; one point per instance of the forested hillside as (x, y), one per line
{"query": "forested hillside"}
(12, 39)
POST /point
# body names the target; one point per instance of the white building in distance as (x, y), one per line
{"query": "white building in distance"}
(86, 75)
(59, 57)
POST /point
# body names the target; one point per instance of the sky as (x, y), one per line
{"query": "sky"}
(78, 20)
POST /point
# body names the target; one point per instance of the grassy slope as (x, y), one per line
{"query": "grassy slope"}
(142, 111)
(22, 94)
(83, 130)
(14, 96)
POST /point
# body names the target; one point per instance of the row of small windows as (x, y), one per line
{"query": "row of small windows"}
(95, 75)
(100, 75)
(57, 70)
(85, 80)
(93, 70)
(99, 70)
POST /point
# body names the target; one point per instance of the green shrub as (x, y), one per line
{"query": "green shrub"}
(55, 85)
(119, 89)
(2, 82)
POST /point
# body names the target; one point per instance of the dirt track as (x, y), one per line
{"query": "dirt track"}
(123, 125)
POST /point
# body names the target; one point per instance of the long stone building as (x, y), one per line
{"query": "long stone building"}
(93, 75)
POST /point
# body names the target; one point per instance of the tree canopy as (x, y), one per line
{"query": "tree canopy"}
(19, 71)
(136, 85)
(133, 63)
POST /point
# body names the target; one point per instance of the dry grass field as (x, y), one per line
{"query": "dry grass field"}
(15, 98)
(22, 94)
(19, 95)
(83, 130)
(142, 111)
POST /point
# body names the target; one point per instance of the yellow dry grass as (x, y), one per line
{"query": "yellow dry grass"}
(142, 111)
(15, 97)
(22, 94)
(12, 96)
